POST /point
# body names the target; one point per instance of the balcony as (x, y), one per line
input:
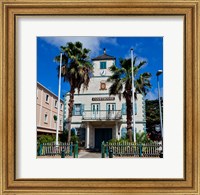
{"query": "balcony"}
(102, 115)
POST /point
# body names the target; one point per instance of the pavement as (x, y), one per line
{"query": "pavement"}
(87, 154)
(81, 154)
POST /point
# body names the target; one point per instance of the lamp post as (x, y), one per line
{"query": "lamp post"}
(133, 100)
(159, 72)
(58, 113)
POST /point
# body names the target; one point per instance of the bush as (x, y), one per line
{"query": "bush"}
(74, 137)
(143, 138)
(118, 141)
(46, 139)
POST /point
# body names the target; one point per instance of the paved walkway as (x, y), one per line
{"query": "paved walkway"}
(86, 154)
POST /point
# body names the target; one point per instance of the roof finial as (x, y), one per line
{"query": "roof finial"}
(104, 50)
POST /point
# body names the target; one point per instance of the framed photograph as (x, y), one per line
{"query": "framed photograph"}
(99, 97)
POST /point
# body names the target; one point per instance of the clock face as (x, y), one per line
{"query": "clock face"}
(103, 72)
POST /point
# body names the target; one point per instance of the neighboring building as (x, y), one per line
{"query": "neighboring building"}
(97, 116)
(47, 108)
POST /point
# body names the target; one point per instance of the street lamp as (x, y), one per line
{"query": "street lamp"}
(58, 113)
(133, 103)
(159, 72)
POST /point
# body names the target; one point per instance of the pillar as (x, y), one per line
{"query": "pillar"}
(116, 131)
(87, 136)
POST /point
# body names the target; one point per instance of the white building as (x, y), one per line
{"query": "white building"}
(97, 116)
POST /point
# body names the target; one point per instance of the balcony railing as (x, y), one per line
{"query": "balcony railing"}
(102, 115)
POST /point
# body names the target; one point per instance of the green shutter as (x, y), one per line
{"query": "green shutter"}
(123, 109)
(73, 111)
(82, 108)
(135, 108)
(102, 65)
(123, 132)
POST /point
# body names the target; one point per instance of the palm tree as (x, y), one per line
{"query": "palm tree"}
(76, 69)
(122, 85)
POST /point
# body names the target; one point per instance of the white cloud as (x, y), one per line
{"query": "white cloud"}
(92, 43)
(153, 95)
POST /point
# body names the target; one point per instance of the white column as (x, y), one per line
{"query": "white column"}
(87, 136)
(116, 130)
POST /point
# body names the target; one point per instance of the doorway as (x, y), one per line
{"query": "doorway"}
(102, 134)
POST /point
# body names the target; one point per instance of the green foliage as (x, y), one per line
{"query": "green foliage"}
(153, 118)
(142, 138)
(118, 141)
(63, 137)
(46, 139)
(74, 137)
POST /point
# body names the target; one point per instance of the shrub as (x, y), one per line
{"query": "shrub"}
(118, 141)
(46, 139)
(143, 138)
(74, 137)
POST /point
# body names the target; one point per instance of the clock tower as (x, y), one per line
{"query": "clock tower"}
(102, 64)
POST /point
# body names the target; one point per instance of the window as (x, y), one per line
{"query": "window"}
(60, 122)
(47, 98)
(46, 118)
(77, 109)
(61, 106)
(102, 65)
(56, 103)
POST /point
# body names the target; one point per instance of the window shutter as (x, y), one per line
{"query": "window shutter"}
(82, 108)
(135, 108)
(73, 111)
(123, 132)
(123, 109)
(102, 65)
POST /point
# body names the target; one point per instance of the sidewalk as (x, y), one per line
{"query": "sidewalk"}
(82, 154)
(86, 154)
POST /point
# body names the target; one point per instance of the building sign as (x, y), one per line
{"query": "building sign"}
(103, 98)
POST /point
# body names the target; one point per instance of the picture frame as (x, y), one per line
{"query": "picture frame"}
(12, 9)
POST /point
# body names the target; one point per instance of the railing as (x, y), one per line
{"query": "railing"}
(102, 115)
(120, 149)
(51, 149)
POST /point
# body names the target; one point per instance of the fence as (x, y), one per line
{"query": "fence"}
(63, 149)
(130, 149)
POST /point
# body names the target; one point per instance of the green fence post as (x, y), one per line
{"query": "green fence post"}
(140, 150)
(76, 150)
(63, 153)
(102, 150)
(40, 150)
(107, 149)
(70, 149)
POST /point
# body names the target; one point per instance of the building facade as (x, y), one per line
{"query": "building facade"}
(47, 108)
(97, 116)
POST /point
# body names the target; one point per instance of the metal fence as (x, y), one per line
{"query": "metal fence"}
(127, 149)
(62, 149)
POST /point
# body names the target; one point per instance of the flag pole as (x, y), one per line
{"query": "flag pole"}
(58, 113)
(133, 99)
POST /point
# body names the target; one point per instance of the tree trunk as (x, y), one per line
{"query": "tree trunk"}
(129, 116)
(70, 111)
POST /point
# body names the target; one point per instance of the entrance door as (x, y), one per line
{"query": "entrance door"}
(102, 134)
(95, 111)
(110, 111)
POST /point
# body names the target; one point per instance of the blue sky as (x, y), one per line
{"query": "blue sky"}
(145, 48)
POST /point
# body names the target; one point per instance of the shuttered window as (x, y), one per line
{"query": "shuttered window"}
(78, 109)
(102, 65)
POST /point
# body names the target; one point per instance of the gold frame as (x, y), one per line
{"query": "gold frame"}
(11, 9)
